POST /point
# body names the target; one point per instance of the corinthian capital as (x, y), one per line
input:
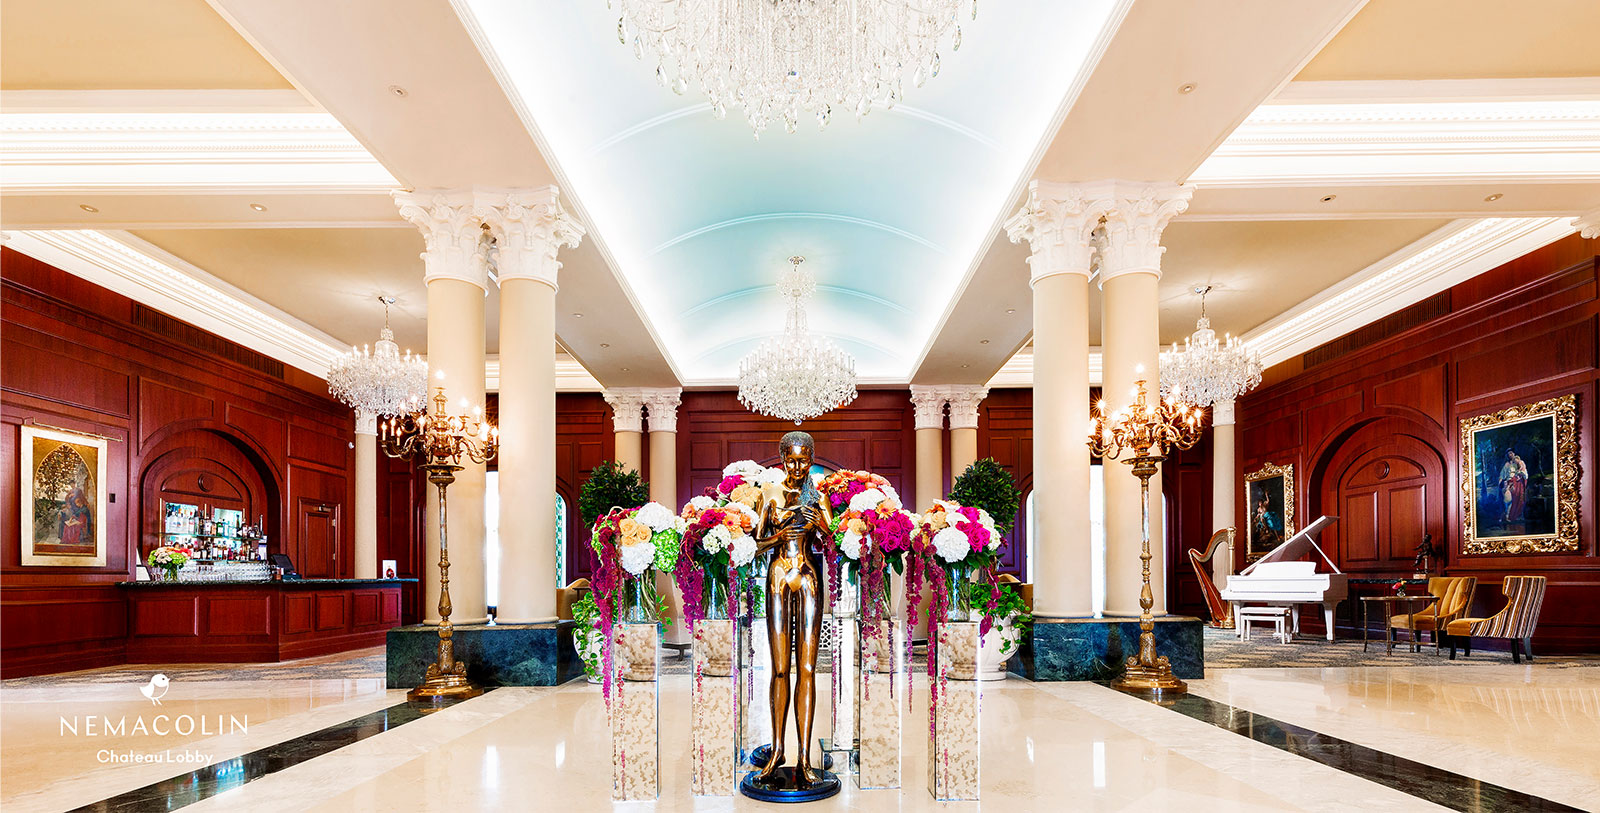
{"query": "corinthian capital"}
(451, 232)
(1588, 225)
(1139, 214)
(662, 403)
(1057, 220)
(529, 227)
(627, 409)
(964, 401)
(928, 403)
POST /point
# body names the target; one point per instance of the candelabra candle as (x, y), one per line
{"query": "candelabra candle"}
(1150, 431)
(439, 442)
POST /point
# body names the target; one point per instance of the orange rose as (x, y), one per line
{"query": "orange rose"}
(746, 494)
(633, 532)
(936, 520)
(857, 526)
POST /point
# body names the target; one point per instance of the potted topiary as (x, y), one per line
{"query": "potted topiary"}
(987, 485)
(610, 486)
(1011, 622)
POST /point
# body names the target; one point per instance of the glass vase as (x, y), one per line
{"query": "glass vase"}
(637, 601)
(714, 596)
(957, 581)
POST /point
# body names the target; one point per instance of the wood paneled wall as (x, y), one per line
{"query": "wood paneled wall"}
(82, 357)
(1522, 332)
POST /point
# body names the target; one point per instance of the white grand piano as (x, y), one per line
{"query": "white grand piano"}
(1279, 579)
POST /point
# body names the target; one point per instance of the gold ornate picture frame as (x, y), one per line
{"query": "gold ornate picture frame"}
(63, 498)
(1269, 509)
(1520, 479)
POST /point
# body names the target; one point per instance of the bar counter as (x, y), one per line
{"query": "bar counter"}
(257, 620)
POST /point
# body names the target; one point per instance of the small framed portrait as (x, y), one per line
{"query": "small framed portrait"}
(1269, 507)
(1519, 479)
(63, 498)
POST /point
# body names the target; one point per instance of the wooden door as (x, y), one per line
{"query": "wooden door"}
(318, 523)
(1387, 499)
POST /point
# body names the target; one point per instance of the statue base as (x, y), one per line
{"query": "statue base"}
(786, 786)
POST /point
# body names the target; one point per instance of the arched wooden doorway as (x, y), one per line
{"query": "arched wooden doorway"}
(1387, 485)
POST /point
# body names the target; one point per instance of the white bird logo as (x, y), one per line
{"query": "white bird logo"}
(156, 688)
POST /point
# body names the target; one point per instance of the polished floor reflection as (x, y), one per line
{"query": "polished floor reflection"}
(1364, 738)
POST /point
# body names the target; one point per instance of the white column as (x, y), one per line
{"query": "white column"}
(366, 549)
(661, 406)
(529, 229)
(456, 273)
(928, 403)
(1223, 477)
(1130, 269)
(1057, 221)
(627, 421)
(964, 401)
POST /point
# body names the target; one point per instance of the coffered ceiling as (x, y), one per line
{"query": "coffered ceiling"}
(254, 143)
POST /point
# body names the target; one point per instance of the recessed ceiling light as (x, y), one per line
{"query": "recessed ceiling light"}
(577, 316)
(965, 366)
(624, 369)
(1187, 87)
(983, 341)
(87, 208)
(603, 345)
(258, 207)
(1011, 310)
(399, 92)
(1328, 198)
(1492, 198)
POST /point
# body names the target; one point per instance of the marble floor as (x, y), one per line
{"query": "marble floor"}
(1484, 736)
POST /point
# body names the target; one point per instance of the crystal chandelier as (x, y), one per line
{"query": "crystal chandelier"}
(1208, 371)
(378, 380)
(777, 58)
(797, 375)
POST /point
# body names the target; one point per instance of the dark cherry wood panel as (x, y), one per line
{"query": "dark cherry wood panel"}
(1373, 433)
(256, 622)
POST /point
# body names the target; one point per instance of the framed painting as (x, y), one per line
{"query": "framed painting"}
(1269, 507)
(1519, 479)
(63, 498)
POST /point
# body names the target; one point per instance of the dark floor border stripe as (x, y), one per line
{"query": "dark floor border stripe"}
(225, 775)
(1446, 788)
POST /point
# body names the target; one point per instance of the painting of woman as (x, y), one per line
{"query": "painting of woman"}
(1513, 488)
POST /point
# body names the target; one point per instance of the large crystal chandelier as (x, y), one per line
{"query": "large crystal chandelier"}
(777, 58)
(797, 375)
(378, 380)
(1207, 371)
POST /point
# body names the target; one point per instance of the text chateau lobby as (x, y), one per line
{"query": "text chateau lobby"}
(885, 405)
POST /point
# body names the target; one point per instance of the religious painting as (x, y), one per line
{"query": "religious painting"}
(1519, 479)
(63, 498)
(1269, 508)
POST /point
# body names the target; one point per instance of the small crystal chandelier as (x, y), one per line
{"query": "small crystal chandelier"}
(776, 58)
(797, 375)
(1205, 370)
(379, 381)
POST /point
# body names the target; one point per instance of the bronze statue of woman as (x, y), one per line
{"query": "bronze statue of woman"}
(793, 527)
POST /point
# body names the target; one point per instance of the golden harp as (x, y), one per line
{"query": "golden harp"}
(1221, 616)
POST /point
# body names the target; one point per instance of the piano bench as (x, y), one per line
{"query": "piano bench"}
(1281, 618)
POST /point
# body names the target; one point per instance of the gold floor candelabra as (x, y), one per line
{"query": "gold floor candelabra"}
(1149, 431)
(438, 442)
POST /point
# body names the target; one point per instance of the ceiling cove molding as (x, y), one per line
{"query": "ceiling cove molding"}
(156, 101)
(115, 151)
(140, 271)
(1017, 372)
(574, 200)
(1453, 254)
(570, 375)
(1424, 91)
(1371, 143)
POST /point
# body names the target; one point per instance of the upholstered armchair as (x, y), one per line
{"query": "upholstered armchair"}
(1452, 596)
(1524, 597)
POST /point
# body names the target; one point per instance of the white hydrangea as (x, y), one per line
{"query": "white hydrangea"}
(894, 496)
(850, 543)
(717, 539)
(769, 477)
(748, 469)
(866, 500)
(702, 503)
(743, 551)
(636, 559)
(951, 544)
(657, 516)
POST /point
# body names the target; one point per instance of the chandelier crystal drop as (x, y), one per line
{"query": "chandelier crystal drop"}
(797, 375)
(378, 380)
(1208, 371)
(777, 59)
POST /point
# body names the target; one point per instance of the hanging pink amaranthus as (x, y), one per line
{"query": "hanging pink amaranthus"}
(606, 583)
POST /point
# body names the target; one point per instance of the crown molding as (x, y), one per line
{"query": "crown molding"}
(1391, 142)
(186, 151)
(140, 271)
(570, 375)
(156, 101)
(1017, 372)
(1453, 254)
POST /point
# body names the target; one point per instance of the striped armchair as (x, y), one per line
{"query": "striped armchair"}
(1524, 597)
(1452, 594)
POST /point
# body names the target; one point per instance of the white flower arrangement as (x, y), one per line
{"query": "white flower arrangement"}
(852, 543)
(769, 477)
(743, 551)
(748, 469)
(702, 503)
(867, 500)
(717, 539)
(637, 558)
(657, 516)
(951, 544)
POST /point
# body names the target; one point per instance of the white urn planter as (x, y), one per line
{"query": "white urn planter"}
(998, 647)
